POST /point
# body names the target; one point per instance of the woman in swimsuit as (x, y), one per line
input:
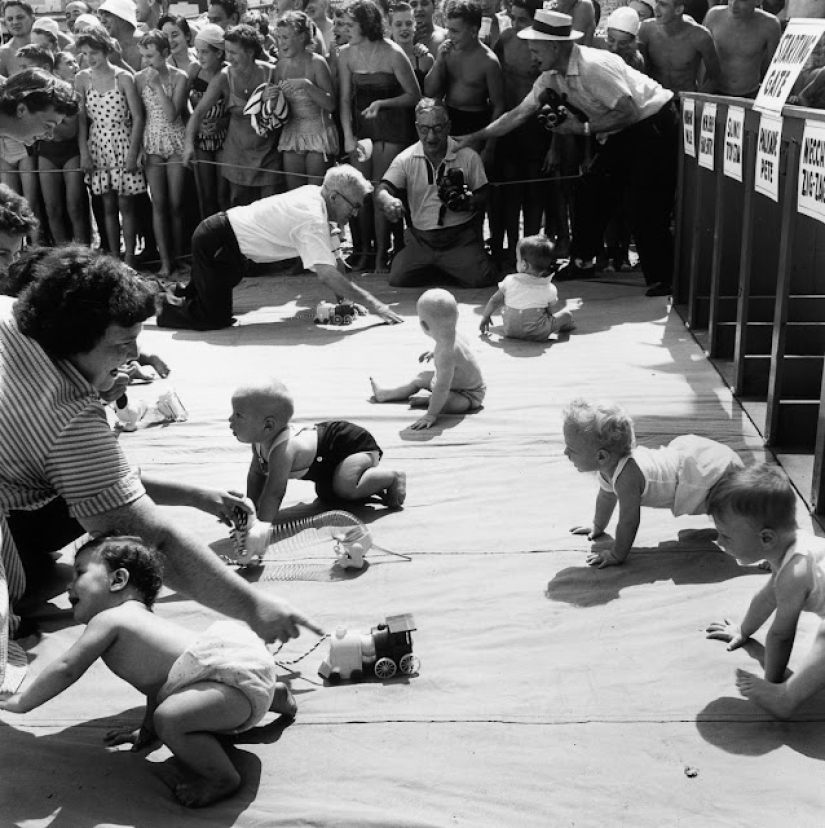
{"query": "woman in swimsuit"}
(378, 90)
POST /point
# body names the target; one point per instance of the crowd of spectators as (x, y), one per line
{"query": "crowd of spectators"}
(159, 94)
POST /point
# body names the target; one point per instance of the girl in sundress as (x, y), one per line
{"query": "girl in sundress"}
(162, 90)
(110, 130)
(309, 140)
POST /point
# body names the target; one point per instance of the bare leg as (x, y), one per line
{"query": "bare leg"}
(51, 183)
(295, 167)
(127, 210)
(283, 701)
(176, 181)
(563, 321)
(781, 700)
(402, 392)
(207, 177)
(77, 201)
(317, 166)
(30, 182)
(112, 218)
(455, 404)
(159, 193)
(366, 223)
(186, 721)
(359, 476)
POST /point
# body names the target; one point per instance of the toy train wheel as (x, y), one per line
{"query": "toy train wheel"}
(348, 320)
(409, 664)
(385, 668)
(337, 319)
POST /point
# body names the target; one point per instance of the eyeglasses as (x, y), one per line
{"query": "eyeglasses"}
(438, 129)
(354, 207)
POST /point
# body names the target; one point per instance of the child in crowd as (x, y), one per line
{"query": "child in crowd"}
(529, 297)
(222, 681)
(456, 383)
(213, 188)
(754, 510)
(341, 458)
(599, 438)
(163, 90)
(110, 134)
(61, 179)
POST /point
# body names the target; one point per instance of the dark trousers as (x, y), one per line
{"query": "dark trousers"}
(217, 266)
(641, 158)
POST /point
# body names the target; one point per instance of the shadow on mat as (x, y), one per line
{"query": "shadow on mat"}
(739, 727)
(686, 561)
(521, 348)
(70, 780)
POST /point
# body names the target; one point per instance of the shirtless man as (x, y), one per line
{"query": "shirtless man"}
(467, 74)
(674, 47)
(583, 13)
(19, 19)
(426, 31)
(119, 18)
(745, 38)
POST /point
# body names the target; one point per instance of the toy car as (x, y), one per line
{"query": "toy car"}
(341, 314)
(384, 651)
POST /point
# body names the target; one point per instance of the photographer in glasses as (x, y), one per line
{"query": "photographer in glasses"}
(442, 192)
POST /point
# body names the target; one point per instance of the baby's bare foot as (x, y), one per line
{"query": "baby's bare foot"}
(397, 492)
(283, 701)
(419, 400)
(770, 697)
(198, 792)
(377, 392)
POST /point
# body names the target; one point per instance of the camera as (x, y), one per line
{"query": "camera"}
(453, 191)
(556, 109)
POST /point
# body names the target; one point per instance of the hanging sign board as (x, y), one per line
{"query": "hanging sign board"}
(707, 136)
(689, 126)
(798, 41)
(734, 143)
(811, 192)
(767, 156)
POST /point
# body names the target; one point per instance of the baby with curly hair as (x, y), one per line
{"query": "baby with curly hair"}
(222, 681)
(599, 437)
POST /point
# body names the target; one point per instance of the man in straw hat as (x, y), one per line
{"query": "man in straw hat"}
(675, 47)
(634, 122)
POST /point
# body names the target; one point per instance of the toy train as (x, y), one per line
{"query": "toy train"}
(341, 314)
(386, 650)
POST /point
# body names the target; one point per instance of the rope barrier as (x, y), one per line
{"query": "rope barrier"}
(307, 176)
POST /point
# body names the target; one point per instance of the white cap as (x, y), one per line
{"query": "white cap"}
(124, 9)
(212, 35)
(46, 24)
(625, 20)
(85, 21)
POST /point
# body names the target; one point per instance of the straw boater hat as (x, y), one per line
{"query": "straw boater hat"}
(124, 9)
(548, 25)
(625, 19)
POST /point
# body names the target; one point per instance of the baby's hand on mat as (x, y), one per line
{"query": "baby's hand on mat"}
(590, 530)
(484, 327)
(603, 559)
(141, 739)
(426, 356)
(726, 630)
(427, 421)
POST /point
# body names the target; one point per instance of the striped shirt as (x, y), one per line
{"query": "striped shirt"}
(55, 441)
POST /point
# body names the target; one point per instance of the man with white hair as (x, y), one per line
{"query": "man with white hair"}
(634, 122)
(675, 47)
(279, 227)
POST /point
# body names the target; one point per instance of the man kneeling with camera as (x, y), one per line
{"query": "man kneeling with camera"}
(445, 193)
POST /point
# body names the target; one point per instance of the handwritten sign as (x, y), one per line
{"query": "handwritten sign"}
(689, 126)
(767, 156)
(795, 47)
(811, 192)
(707, 136)
(734, 135)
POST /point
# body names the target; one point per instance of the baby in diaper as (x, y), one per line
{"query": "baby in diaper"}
(222, 681)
